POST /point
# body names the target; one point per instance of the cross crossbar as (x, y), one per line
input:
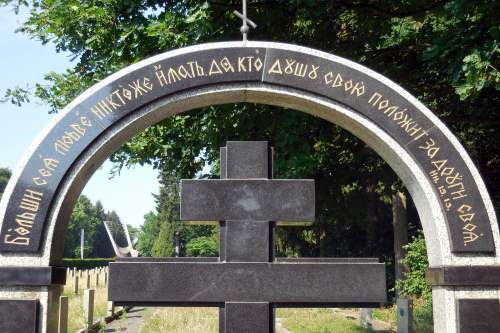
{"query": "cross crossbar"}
(247, 199)
(196, 283)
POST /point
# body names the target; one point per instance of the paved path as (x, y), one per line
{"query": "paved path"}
(129, 323)
(279, 326)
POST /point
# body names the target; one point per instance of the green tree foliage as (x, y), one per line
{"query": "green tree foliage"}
(133, 232)
(149, 231)
(116, 228)
(163, 230)
(83, 217)
(444, 52)
(414, 283)
(203, 247)
(164, 243)
(4, 179)
(91, 218)
(102, 247)
(168, 219)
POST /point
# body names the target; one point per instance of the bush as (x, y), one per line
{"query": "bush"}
(86, 263)
(202, 247)
(414, 283)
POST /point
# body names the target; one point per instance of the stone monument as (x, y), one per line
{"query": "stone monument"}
(458, 217)
(121, 252)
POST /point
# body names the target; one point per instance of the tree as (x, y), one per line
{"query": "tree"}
(116, 228)
(4, 179)
(133, 233)
(167, 206)
(102, 245)
(413, 283)
(163, 245)
(148, 233)
(162, 230)
(91, 218)
(203, 247)
(444, 52)
(83, 217)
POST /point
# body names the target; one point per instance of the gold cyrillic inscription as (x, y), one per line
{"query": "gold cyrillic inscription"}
(29, 207)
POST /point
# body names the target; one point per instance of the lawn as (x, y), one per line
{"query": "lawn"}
(191, 320)
(194, 320)
(182, 320)
(317, 321)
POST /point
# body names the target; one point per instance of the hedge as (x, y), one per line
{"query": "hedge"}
(86, 263)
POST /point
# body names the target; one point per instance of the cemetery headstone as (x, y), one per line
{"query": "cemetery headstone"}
(365, 318)
(404, 315)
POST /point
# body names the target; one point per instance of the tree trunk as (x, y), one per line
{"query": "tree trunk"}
(372, 219)
(400, 225)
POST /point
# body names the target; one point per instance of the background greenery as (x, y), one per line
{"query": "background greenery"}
(86, 263)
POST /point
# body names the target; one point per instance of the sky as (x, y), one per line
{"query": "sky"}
(24, 61)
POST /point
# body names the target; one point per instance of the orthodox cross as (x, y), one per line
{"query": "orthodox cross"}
(247, 282)
(246, 21)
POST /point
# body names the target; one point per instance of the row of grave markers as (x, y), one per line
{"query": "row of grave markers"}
(96, 277)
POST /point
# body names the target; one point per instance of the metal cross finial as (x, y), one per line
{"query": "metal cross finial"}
(246, 21)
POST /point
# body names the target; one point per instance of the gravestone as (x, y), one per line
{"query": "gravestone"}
(247, 282)
(365, 318)
(404, 315)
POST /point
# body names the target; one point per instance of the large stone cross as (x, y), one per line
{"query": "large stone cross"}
(247, 282)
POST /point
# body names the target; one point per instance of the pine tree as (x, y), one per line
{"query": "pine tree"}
(168, 218)
(163, 245)
(102, 244)
(149, 230)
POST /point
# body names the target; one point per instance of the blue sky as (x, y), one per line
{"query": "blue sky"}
(24, 61)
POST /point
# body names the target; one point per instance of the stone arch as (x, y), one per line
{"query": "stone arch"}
(457, 214)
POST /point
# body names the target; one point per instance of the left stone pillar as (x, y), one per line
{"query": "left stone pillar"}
(29, 298)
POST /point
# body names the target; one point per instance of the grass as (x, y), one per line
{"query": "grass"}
(317, 321)
(76, 319)
(387, 314)
(191, 320)
(182, 320)
(422, 317)
(194, 320)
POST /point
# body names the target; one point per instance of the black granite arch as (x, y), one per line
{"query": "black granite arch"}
(463, 199)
